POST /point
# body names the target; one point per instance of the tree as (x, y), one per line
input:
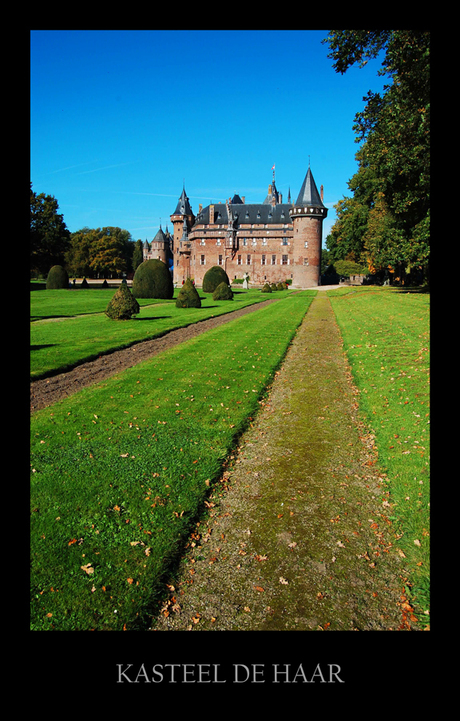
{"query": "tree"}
(49, 236)
(394, 158)
(138, 254)
(105, 252)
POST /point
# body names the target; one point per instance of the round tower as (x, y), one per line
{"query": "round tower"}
(182, 220)
(307, 215)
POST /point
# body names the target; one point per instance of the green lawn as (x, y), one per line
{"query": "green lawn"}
(386, 336)
(70, 326)
(120, 471)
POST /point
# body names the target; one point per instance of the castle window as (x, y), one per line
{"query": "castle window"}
(238, 260)
(284, 260)
(202, 241)
(306, 243)
(284, 242)
(248, 260)
(264, 241)
(221, 262)
(273, 259)
(263, 260)
(305, 261)
(245, 242)
(218, 241)
(202, 260)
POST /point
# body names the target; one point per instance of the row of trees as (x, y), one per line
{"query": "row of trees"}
(92, 252)
(385, 223)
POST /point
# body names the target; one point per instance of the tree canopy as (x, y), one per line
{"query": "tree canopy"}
(49, 236)
(103, 252)
(386, 221)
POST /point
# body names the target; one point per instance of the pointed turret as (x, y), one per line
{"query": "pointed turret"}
(183, 205)
(307, 214)
(309, 192)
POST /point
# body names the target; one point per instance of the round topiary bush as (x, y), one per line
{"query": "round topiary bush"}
(266, 288)
(188, 296)
(152, 279)
(123, 305)
(223, 292)
(214, 277)
(57, 278)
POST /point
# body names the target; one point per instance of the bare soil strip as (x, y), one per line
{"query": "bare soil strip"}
(297, 534)
(46, 391)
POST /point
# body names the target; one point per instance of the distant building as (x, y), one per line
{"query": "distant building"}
(272, 241)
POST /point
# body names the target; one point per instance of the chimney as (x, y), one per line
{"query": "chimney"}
(211, 214)
(322, 193)
(243, 198)
(200, 207)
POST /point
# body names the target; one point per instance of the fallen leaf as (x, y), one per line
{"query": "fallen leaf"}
(87, 568)
(283, 581)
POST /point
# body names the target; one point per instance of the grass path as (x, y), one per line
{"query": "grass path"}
(298, 535)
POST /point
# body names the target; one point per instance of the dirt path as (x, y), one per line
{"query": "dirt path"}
(46, 391)
(297, 535)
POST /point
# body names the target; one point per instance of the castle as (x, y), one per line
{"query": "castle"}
(270, 241)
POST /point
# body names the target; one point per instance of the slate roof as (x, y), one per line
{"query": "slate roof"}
(160, 237)
(254, 213)
(309, 192)
(183, 205)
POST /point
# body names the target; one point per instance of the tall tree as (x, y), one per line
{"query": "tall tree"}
(394, 129)
(49, 236)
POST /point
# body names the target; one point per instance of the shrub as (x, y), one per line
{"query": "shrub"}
(84, 283)
(214, 277)
(273, 286)
(188, 296)
(266, 288)
(57, 278)
(281, 286)
(123, 305)
(152, 279)
(223, 292)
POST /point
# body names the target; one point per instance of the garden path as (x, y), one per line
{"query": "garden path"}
(297, 534)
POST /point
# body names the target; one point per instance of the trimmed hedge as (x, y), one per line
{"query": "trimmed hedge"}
(152, 279)
(188, 296)
(214, 277)
(123, 305)
(223, 292)
(57, 278)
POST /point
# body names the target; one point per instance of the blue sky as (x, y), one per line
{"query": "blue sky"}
(121, 119)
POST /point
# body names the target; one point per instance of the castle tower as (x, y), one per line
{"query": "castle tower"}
(182, 220)
(307, 215)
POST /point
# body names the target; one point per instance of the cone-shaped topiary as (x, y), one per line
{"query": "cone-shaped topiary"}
(123, 305)
(152, 279)
(57, 278)
(266, 288)
(188, 296)
(214, 277)
(281, 286)
(223, 292)
(273, 286)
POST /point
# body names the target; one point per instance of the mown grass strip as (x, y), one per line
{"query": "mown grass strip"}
(386, 337)
(58, 345)
(121, 470)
